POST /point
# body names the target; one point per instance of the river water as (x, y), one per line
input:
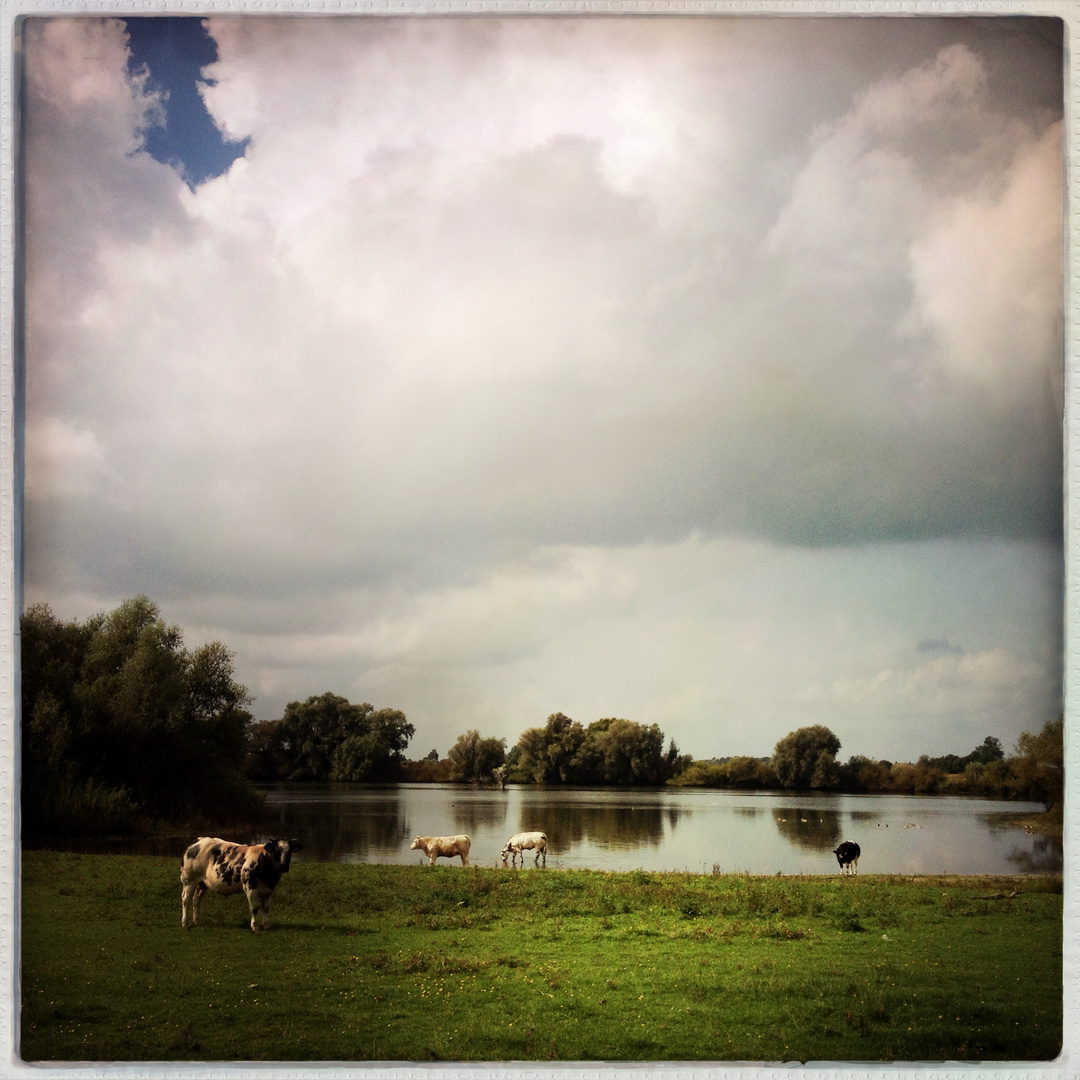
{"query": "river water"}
(694, 831)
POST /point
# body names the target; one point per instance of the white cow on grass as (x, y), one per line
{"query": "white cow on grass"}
(435, 847)
(522, 841)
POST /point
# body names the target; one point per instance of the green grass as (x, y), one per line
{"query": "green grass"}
(414, 963)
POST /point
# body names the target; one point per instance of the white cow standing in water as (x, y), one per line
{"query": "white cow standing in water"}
(522, 841)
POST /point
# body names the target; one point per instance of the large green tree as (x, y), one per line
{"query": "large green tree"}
(1040, 763)
(611, 751)
(327, 737)
(806, 758)
(546, 755)
(474, 758)
(618, 751)
(377, 751)
(119, 719)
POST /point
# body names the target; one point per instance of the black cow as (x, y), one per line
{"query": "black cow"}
(847, 855)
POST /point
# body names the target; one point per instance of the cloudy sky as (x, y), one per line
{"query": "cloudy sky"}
(701, 371)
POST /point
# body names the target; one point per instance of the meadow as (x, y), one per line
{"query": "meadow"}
(416, 963)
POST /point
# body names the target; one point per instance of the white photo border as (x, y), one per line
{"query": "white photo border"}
(12, 381)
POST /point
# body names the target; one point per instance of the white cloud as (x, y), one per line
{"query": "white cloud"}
(485, 326)
(62, 460)
(511, 367)
(728, 645)
(987, 273)
(945, 686)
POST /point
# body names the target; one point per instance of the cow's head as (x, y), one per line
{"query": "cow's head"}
(845, 853)
(415, 844)
(281, 851)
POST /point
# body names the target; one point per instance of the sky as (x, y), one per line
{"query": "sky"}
(168, 55)
(706, 372)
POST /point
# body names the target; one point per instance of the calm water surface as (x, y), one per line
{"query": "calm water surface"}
(665, 829)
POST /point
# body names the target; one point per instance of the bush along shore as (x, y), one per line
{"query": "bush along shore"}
(413, 963)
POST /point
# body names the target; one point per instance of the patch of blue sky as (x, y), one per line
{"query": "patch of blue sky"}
(176, 50)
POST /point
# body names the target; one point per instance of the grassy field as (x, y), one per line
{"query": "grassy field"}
(412, 963)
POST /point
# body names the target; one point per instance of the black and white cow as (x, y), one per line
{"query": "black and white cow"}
(227, 868)
(847, 855)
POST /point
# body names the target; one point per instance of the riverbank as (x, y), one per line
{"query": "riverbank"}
(413, 963)
(1051, 823)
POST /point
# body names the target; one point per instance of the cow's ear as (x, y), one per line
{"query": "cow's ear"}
(295, 845)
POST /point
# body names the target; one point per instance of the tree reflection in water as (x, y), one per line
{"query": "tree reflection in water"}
(620, 829)
(812, 830)
(1047, 856)
(606, 825)
(333, 830)
(477, 813)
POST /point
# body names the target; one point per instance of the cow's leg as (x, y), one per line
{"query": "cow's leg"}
(200, 888)
(464, 859)
(254, 903)
(185, 896)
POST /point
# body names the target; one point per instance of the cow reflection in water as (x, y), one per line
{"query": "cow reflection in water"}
(814, 830)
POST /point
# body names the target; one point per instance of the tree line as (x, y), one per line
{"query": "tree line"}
(806, 759)
(122, 724)
(327, 738)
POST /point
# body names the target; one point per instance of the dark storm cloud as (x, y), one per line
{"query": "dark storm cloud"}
(939, 646)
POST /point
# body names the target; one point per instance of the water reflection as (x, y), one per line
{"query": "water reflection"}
(813, 830)
(479, 813)
(332, 831)
(1045, 856)
(608, 826)
(657, 829)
